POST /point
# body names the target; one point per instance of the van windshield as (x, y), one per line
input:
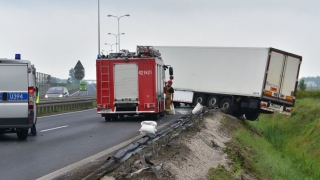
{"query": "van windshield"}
(55, 90)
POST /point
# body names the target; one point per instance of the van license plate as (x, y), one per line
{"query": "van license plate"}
(17, 97)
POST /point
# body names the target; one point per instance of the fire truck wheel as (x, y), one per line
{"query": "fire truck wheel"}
(114, 118)
(152, 116)
(107, 118)
(162, 114)
(155, 117)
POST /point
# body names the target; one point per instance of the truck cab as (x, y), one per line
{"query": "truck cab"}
(17, 96)
(83, 85)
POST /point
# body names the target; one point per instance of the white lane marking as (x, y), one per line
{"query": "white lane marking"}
(54, 128)
(101, 155)
(66, 113)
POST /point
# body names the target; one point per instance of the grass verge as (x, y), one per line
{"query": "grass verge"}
(276, 146)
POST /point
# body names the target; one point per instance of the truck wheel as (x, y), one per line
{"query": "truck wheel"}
(252, 115)
(107, 118)
(200, 98)
(23, 134)
(238, 114)
(226, 106)
(213, 101)
(152, 116)
(162, 114)
(176, 104)
(155, 117)
(114, 118)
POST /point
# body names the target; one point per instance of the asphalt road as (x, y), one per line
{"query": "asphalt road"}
(65, 139)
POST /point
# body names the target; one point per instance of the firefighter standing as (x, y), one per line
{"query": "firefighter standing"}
(169, 96)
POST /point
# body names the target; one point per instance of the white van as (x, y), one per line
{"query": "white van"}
(18, 110)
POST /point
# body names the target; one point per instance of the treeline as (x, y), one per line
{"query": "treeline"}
(314, 79)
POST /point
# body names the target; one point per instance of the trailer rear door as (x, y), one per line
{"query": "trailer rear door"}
(126, 82)
(289, 79)
(281, 80)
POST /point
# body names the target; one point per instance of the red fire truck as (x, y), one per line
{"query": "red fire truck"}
(131, 83)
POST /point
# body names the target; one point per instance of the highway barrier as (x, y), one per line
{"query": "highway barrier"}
(52, 105)
(136, 149)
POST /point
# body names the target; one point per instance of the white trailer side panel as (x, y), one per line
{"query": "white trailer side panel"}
(183, 96)
(223, 70)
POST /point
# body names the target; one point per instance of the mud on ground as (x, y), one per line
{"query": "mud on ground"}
(192, 153)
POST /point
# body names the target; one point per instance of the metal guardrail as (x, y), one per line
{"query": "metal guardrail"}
(64, 104)
(65, 99)
(157, 141)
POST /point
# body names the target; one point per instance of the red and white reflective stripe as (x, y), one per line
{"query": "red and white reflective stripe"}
(31, 98)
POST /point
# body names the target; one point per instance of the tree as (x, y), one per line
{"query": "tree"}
(73, 80)
(71, 73)
(302, 85)
(48, 79)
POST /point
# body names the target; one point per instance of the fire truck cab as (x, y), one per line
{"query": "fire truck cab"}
(131, 83)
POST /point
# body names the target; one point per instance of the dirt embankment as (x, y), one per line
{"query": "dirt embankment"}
(193, 152)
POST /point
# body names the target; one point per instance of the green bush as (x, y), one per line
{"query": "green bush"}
(308, 94)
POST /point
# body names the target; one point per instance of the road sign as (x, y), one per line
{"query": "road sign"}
(79, 66)
(79, 75)
(79, 71)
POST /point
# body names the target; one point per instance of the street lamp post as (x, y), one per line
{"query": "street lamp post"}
(118, 26)
(110, 45)
(107, 51)
(116, 39)
(98, 26)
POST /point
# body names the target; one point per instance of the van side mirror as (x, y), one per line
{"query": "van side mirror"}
(170, 71)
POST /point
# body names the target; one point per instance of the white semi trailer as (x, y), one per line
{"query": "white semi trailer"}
(239, 80)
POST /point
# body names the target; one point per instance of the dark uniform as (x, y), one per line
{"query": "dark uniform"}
(169, 96)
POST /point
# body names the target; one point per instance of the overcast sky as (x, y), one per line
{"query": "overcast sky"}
(55, 34)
